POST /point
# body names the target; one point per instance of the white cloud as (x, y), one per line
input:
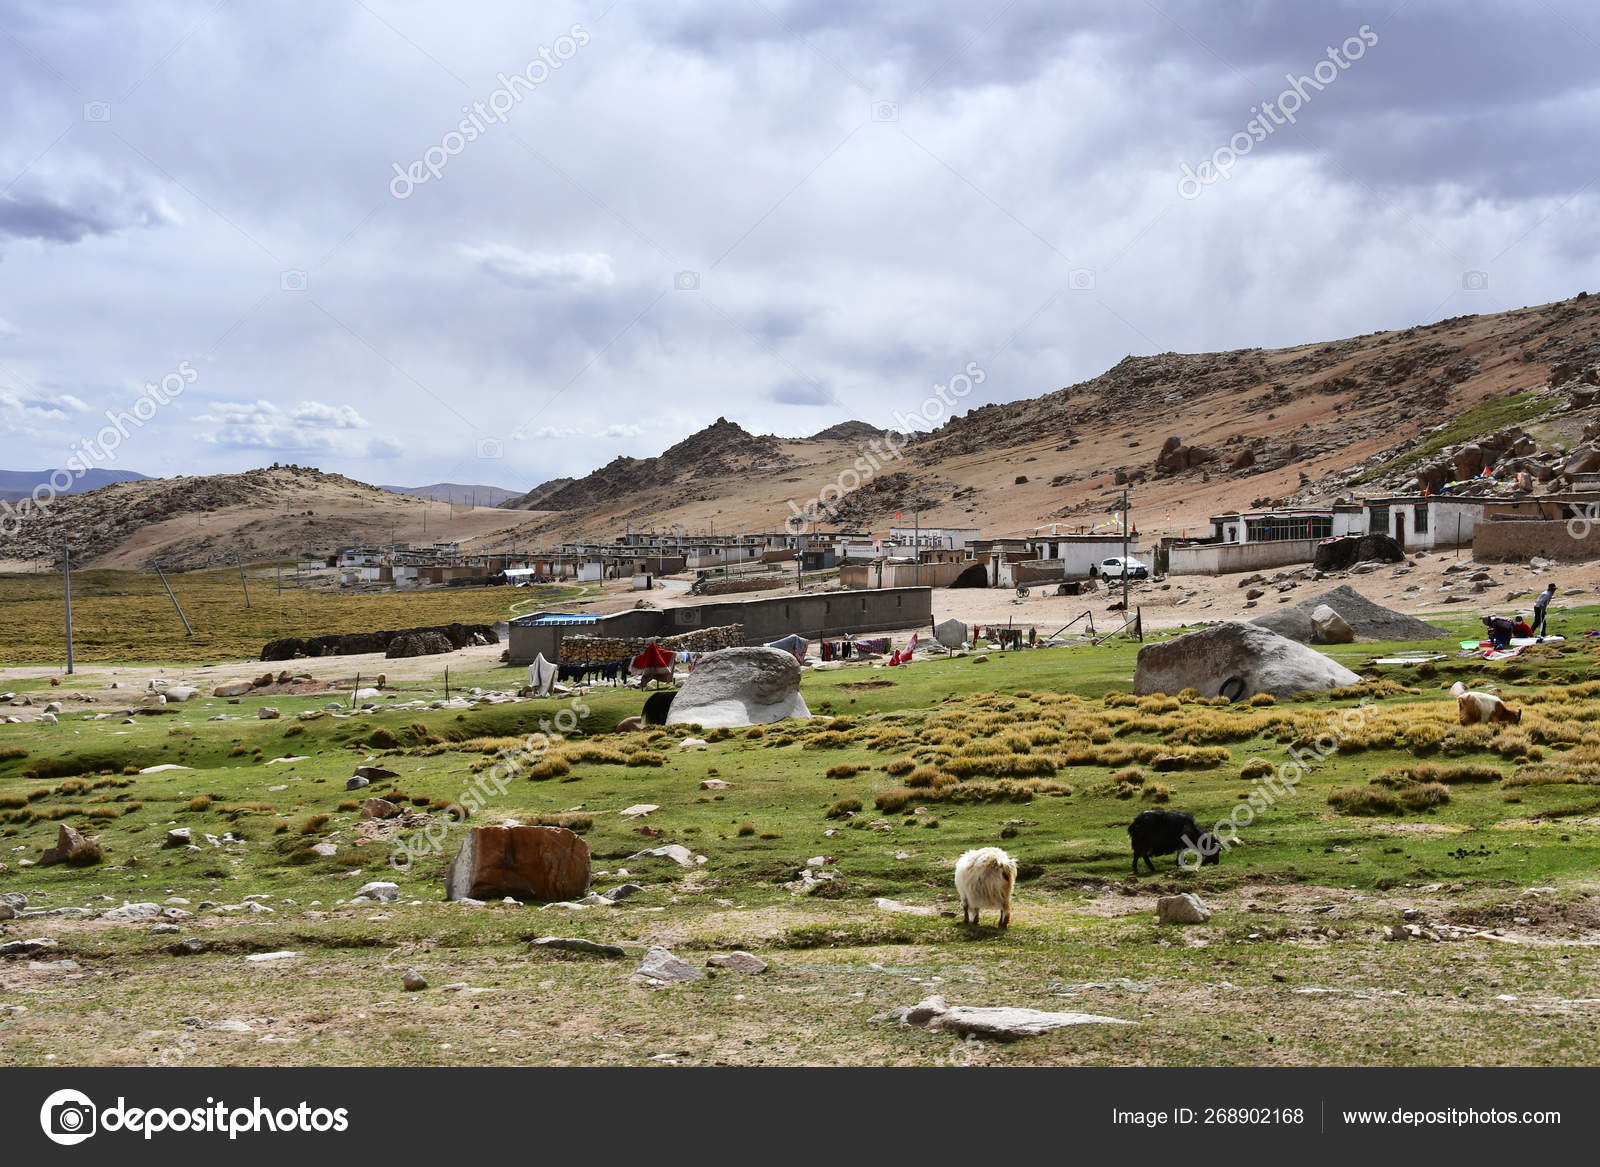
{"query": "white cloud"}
(309, 427)
(534, 269)
(34, 407)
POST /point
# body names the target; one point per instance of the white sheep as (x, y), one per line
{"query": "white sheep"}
(984, 879)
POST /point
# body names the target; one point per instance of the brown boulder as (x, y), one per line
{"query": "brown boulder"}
(379, 808)
(526, 863)
(73, 848)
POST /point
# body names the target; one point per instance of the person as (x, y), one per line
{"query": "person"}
(1520, 628)
(1540, 608)
(1499, 628)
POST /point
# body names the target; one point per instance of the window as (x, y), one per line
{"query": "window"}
(1378, 521)
(1277, 528)
(1419, 518)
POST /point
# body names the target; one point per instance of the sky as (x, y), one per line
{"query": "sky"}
(501, 242)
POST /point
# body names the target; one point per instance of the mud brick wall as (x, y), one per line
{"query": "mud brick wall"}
(578, 649)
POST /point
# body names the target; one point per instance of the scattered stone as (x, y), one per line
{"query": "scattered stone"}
(374, 773)
(326, 850)
(267, 713)
(177, 837)
(230, 1025)
(357, 782)
(165, 930)
(1187, 908)
(413, 981)
(1328, 627)
(676, 852)
(617, 894)
(737, 961)
(133, 912)
(15, 898)
(1000, 1024)
(194, 946)
(265, 957)
(379, 808)
(715, 784)
(384, 893)
(232, 689)
(639, 810)
(660, 967)
(26, 947)
(578, 944)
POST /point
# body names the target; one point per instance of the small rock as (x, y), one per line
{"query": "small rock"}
(578, 944)
(1187, 908)
(413, 981)
(265, 957)
(267, 713)
(384, 893)
(738, 962)
(660, 967)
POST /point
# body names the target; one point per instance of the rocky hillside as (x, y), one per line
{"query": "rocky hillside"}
(720, 450)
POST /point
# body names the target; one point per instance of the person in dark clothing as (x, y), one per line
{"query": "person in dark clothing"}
(1539, 609)
(1499, 629)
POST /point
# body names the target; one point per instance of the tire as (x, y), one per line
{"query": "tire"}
(1234, 683)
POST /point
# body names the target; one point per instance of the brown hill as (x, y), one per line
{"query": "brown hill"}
(255, 516)
(721, 450)
(1251, 426)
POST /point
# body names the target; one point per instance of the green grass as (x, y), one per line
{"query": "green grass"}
(990, 750)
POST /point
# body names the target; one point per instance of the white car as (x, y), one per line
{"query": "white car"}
(1116, 567)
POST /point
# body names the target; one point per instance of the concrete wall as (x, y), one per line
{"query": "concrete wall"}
(818, 616)
(1228, 558)
(1517, 540)
(900, 575)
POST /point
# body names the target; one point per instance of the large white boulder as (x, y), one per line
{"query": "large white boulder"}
(1254, 659)
(736, 687)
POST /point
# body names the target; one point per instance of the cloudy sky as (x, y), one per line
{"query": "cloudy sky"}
(786, 212)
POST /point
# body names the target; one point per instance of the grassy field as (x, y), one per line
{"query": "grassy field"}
(126, 617)
(1043, 753)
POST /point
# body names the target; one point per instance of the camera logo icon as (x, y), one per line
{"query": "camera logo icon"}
(1474, 281)
(885, 111)
(97, 111)
(292, 281)
(68, 1117)
(1081, 279)
(491, 448)
(686, 281)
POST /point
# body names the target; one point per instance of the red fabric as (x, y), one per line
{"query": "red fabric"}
(654, 657)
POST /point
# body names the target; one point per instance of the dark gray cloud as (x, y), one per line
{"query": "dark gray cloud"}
(786, 213)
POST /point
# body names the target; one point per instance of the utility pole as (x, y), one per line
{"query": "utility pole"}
(187, 631)
(244, 583)
(916, 546)
(66, 584)
(1124, 552)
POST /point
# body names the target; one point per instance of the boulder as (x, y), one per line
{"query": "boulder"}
(526, 863)
(73, 848)
(997, 1023)
(177, 837)
(1246, 659)
(660, 967)
(356, 782)
(182, 692)
(1348, 550)
(232, 689)
(736, 687)
(14, 898)
(1187, 908)
(1328, 627)
(630, 724)
(373, 773)
(378, 808)
(413, 981)
(145, 911)
(267, 713)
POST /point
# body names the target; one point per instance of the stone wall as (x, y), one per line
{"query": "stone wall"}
(578, 649)
(728, 587)
(1518, 540)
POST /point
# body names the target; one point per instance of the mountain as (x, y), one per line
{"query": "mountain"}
(462, 494)
(17, 484)
(183, 523)
(1189, 434)
(721, 450)
(534, 499)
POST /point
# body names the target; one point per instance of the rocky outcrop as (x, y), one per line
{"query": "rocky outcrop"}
(354, 643)
(1176, 457)
(409, 644)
